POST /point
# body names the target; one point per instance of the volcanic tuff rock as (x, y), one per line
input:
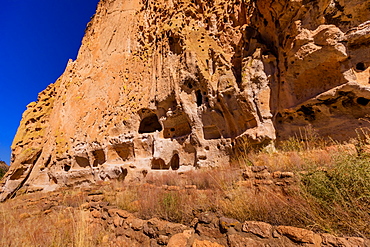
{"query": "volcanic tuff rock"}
(172, 84)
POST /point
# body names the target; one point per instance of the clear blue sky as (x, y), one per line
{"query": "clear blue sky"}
(37, 37)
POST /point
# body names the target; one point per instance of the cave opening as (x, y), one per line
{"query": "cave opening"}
(175, 45)
(82, 162)
(176, 126)
(66, 167)
(150, 124)
(125, 151)
(99, 157)
(199, 97)
(175, 162)
(360, 66)
(159, 164)
(362, 101)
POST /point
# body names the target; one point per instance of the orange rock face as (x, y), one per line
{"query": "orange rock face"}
(172, 84)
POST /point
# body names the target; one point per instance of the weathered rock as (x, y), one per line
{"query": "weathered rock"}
(207, 218)
(298, 234)
(137, 224)
(287, 175)
(176, 85)
(183, 239)
(226, 223)
(236, 240)
(122, 213)
(96, 214)
(163, 240)
(118, 221)
(210, 231)
(156, 227)
(260, 229)
(331, 240)
(205, 243)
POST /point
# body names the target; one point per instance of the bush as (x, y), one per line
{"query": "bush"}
(342, 193)
(3, 169)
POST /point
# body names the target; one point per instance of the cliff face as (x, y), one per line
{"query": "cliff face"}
(176, 85)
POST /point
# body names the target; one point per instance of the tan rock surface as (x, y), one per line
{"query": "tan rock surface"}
(236, 240)
(260, 229)
(181, 239)
(176, 85)
(205, 243)
(298, 234)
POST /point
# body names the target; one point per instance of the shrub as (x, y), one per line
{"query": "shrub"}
(3, 168)
(342, 194)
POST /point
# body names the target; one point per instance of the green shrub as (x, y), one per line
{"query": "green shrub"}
(341, 193)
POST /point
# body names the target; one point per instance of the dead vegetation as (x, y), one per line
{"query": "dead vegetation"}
(43, 220)
(3, 168)
(321, 186)
(330, 191)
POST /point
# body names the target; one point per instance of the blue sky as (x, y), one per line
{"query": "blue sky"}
(36, 40)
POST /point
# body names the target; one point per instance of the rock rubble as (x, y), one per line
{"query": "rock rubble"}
(207, 229)
(180, 85)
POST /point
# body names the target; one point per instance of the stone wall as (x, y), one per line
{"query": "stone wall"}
(160, 85)
(207, 229)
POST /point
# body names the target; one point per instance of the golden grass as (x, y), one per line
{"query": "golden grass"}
(331, 193)
(25, 223)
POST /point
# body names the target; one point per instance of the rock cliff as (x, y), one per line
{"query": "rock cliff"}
(173, 84)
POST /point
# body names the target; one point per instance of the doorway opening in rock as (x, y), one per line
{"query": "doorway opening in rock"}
(199, 96)
(82, 162)
(175, 45)
(150, 124)
(176, 126)
(99, 157)
(362, 101)
(123, 174)
(175, 162)
(125, 150)
(66, 167)
(360, 67)
(159, 164)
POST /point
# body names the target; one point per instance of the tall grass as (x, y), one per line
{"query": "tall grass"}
(3, 169)
(334, 186)
(24, 223)
(330, 193)
(341, 194)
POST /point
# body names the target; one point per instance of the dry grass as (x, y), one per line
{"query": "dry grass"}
(333, 198)
(25, 223)
(341, 193)
(331, 194)
(3, 168)
(334, 192)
